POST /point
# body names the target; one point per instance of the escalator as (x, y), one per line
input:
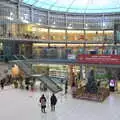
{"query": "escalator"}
(49, 83)
(24, 67)
(27, 71)
(27, 68)
(58, 80)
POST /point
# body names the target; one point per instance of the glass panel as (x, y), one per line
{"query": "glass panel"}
(57, 20)
(75, 35)
(40, 33)
(25, 14)
(31, 31)
(94, 35)
(75, 21)
(100, 36)
(57, 34)
(90, 35)
(109, 35)
(93, 22)
(29, 1)
(1, 48)
(37, 49)
(59, 8)
(24, 31)
(40, 17)
(108, 22)
(13, 28)
(42, 5)
(78, 6)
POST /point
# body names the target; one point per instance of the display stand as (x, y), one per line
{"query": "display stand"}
(91, 91)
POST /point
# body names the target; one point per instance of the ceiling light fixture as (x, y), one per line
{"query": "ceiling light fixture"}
(69, 26)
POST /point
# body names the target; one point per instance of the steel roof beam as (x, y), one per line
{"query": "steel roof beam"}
(70, 5)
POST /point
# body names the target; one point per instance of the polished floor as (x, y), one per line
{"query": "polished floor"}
(16, 104)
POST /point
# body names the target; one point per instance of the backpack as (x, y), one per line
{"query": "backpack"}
(42, 101)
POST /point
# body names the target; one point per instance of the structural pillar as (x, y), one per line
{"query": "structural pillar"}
(71, 74)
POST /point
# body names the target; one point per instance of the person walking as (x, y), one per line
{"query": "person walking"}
(2, 82)
(43, 103)
(66, 86)
(53, 101)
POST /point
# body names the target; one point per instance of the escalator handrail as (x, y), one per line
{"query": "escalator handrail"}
(19, 61)
(53, 90)
(24, 62)
(27, 65)
(52, 81)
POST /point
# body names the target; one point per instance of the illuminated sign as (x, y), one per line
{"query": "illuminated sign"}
(98, 59)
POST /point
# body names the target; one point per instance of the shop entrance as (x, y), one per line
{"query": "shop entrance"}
(53, 70)
(78, 74)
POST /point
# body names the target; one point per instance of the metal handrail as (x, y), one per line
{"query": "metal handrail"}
(22, 64)
(45, 79)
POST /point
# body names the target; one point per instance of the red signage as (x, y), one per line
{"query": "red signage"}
(99, 59)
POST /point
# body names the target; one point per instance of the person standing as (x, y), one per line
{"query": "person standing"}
(73, 87)
(66, 86)
(2, 82)
(43, 103)
(53, 101)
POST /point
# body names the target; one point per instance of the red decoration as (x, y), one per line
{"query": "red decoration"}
(98, 59)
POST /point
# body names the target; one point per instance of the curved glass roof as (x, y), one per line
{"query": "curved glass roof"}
(77, 6)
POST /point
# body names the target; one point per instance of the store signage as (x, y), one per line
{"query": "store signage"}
(99, 59)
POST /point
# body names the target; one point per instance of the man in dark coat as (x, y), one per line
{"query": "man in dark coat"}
(66, 86)
(2, 82)
(53, 101)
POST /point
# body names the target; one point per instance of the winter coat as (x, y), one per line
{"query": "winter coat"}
(43, 101)
(53, 100)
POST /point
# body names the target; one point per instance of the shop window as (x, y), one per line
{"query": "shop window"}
(75, 35)
(57, 34)
(94, 35)
(90, 35)
(41, 33)
(108, 35)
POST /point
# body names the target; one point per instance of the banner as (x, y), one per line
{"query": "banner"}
(98, 59)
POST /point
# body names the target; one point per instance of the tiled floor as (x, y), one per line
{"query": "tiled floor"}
(18, 104)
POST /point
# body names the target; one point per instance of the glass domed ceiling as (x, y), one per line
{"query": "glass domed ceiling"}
(77, 6)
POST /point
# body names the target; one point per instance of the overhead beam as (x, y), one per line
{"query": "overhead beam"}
(5, 4)
(70, 5)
